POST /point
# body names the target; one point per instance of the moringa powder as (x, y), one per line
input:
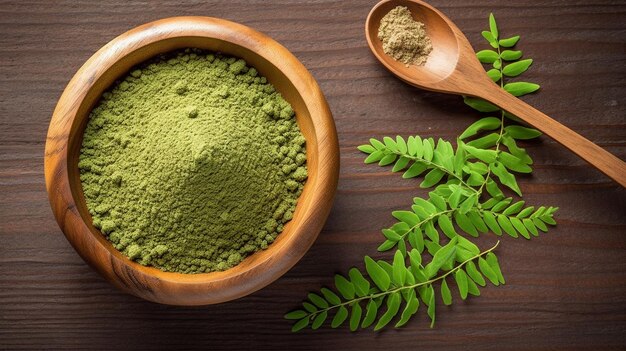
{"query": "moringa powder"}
(404, 38)
(192, 162)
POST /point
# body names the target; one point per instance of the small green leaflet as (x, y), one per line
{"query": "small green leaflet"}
(378, 275)
(465, 223)
(433, 177)
(494, 74)
(390, 144)
(455, 197)
(340, 317)
(523, 133)
(318, 300)
(509, 42)
(297, 314)
(370, 314)
(495, 266)
(505, 177)
(431, 309)
(493, 27)
(299, 325)
(514, 208)
(355, 318)
(502, 204)
(474, 274)
(319, 320)
(309, 307)
(516, 68)
(521, 88)
(411, 308)
(401, 143)
(438, 201)
(377, 144)
(441, 257)
(487, 156)
(330, 296)
(399, 269)
(461, 281)
(345, 287)
(446, 296)
(374, 156)
(407, 217)
(487, 123)
(513, 163)
(511, 55)
(485, 142)
(387, 159)
(506, 225)
(490, 38)
(368, 149)
(487, 271)
(487, 56)
(361, 285)
(446, 226)
(480, 105)
(393, 305)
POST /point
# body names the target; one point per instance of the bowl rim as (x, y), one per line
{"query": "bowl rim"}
(178, 288)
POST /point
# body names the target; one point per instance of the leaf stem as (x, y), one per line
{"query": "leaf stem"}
(406, 287)
(488, 177)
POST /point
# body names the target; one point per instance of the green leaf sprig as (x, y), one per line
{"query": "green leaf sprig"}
(466, 200)
(397, 285)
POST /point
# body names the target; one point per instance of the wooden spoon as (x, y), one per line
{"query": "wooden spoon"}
(452, 67)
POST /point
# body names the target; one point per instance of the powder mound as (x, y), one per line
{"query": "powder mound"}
(403, 38)
(192, 162)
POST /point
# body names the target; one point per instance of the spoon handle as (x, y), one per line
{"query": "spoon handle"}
(598, 157)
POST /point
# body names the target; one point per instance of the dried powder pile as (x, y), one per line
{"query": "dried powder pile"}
(403, 38)
(192, 162)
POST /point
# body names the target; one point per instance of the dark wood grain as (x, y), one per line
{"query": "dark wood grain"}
(565, 290)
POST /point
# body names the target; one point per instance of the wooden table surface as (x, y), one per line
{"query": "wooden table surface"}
(565, 290)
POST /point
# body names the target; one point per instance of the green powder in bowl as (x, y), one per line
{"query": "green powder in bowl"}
(192, 162)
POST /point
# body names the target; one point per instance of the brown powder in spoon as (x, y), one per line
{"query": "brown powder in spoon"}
(403, 38)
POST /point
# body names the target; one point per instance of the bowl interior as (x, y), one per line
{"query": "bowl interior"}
(274, 75)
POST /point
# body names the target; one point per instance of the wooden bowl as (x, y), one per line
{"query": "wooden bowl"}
(113, 61)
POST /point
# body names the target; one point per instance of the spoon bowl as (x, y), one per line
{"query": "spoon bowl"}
(452, 67)
(442, 60)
